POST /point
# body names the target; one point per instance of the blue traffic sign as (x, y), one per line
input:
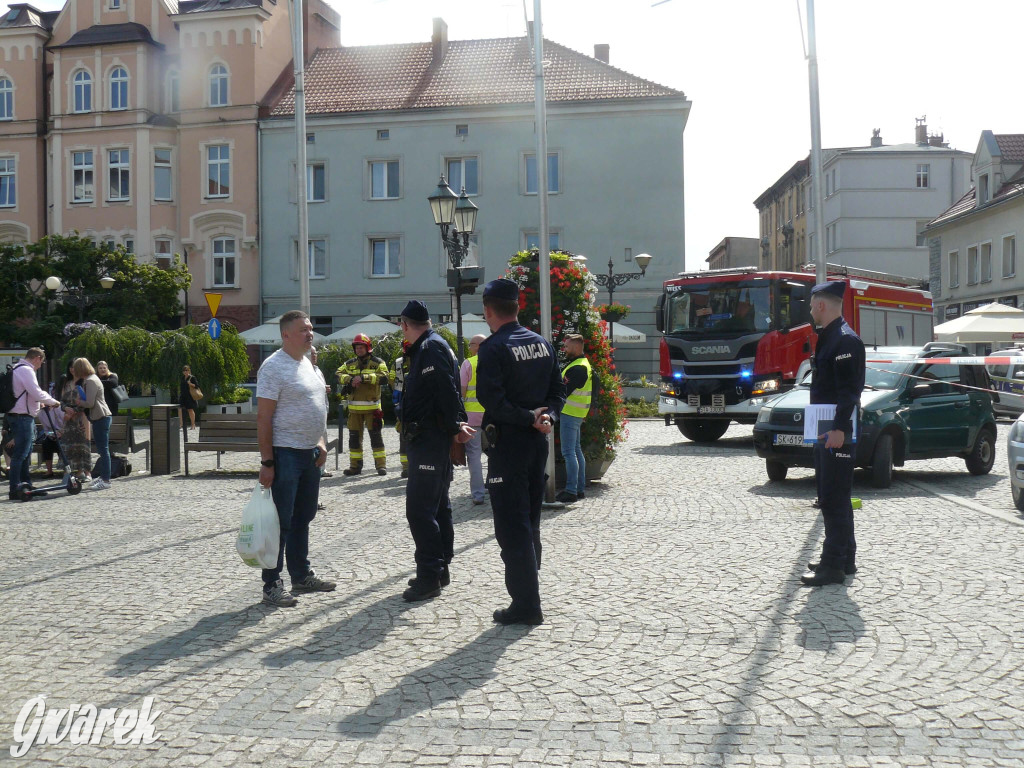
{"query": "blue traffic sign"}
(214, 328)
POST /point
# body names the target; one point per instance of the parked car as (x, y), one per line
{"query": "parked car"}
(909, 410)
(1008, 381)
(1015, 456)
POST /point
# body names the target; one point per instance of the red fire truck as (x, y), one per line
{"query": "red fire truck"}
(733, 337)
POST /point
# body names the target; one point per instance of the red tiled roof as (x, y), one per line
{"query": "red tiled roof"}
(473, 72)
(1011, 147)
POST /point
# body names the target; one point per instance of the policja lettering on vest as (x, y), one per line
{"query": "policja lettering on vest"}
(432, 416)
(519, 386)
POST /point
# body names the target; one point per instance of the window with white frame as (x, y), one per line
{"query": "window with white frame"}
(162, 252)
(316, 253)
(218, 170)
(972, 265)
(831, 239)
(225, 264)
(129, 245)
(986, 262)
(384, 180)
(6, 99)
(82, 176)
(531, 240)
(8, 183)
(462, 172)
(954, 269)
(119, 170)
(163, 175)
(554, 179)
(386, 257)
(82, 87)
(316, 183)
(174, 91)
(922, 238)
(1009, 256)
(923, 172)
(115, 5)
(119, 88)
(218, 85)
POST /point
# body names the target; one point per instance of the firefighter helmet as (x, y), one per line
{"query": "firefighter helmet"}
(362, 338)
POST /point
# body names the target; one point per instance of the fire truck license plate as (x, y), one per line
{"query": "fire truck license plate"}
(789, 439)
(711, 409)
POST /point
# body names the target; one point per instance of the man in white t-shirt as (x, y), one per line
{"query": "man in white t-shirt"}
(291, 423)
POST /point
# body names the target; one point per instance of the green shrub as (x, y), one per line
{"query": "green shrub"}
(230, 395)
(640, 409)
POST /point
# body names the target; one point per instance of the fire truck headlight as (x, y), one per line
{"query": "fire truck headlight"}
(764, 415)
(765, 386)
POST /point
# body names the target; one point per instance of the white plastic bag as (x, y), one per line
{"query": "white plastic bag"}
(259, 537)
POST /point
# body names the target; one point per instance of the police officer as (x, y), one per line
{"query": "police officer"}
(520, 388)
(432, 415)
(838, 379)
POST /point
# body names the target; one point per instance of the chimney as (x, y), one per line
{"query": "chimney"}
(439, 41)
(921, 131)
(601, 52)
(937, 140)
(876, 137)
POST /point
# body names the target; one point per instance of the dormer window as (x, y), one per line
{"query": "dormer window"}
(983, 193)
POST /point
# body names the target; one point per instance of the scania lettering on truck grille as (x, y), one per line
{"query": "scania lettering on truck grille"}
(731, 338)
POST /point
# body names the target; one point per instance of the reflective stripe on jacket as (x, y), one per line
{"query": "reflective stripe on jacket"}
(577, 402)
(366, 396)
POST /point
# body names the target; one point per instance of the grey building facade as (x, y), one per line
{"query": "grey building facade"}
(385, 122)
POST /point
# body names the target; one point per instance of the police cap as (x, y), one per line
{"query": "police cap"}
(416, 311)
(502, 288)
(834, 288)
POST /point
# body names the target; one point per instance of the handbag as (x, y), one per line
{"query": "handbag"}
(196, 392)
(120, 393)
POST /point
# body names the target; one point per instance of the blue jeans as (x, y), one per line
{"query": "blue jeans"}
(572, 452)
(296, 490)
(476, 469)
(23, 427)
(101, 436)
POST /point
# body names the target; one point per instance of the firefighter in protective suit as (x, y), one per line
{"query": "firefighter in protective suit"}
(361, 379)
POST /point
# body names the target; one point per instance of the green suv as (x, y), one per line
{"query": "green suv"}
(909, 410)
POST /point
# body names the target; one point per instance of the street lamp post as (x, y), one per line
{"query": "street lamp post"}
(456, 216)
(76, 295)
(611, 281)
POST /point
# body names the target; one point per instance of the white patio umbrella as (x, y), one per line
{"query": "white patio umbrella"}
(623, 334)
(991, 323)
(471, 326)
(269, 334)
(372, 325)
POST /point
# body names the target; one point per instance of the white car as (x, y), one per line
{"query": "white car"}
(1008, 381)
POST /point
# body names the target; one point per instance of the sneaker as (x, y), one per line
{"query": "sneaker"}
(99, 485)
(278, 595)
(381, 471)
(566, 497)
(478, 502)
(581, 495)
(325, 473)
(313, 583)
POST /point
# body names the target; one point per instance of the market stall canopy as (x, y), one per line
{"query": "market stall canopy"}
(269, 334)
(990, 323)
(623, 334)
(372, 325)
(471, 326)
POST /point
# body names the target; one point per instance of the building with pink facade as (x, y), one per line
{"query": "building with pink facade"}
(136, 123)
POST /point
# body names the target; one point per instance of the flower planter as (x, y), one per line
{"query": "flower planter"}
(243, 407)
(595, 470)
(612, 317)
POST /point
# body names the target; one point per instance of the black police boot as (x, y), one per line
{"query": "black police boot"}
(445, 578)
(422, 589)
(510, 616)
(849, 570)
(823, 576)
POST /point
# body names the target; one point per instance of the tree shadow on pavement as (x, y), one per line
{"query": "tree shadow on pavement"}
(829, 617)
(446, 679)
(686, 448)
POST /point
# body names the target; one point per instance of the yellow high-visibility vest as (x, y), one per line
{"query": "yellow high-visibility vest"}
(578, 402)
(470, 401)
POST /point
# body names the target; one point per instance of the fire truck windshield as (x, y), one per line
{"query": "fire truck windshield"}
(721, 309)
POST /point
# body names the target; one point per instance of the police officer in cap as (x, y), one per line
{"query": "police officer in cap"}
(432, 415)
(520, 388)
(838, 379)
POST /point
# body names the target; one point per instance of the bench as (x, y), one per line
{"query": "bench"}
(223, 432)
(122, 436)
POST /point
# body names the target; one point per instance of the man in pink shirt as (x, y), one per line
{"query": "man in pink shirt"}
(22, 417)
(474, 417)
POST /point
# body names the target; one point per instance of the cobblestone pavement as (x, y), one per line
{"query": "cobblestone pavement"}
(677, 632)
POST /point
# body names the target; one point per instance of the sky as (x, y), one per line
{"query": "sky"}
(881, 64)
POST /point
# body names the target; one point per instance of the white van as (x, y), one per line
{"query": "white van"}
(1008, 381)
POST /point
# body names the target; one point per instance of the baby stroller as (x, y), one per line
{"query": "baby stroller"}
(69, 482)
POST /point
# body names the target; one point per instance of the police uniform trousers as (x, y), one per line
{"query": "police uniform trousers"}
(356, 421)
(835, 481)
(515, 479)
(427, 506)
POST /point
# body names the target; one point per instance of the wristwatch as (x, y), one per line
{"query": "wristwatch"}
(267, 462)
